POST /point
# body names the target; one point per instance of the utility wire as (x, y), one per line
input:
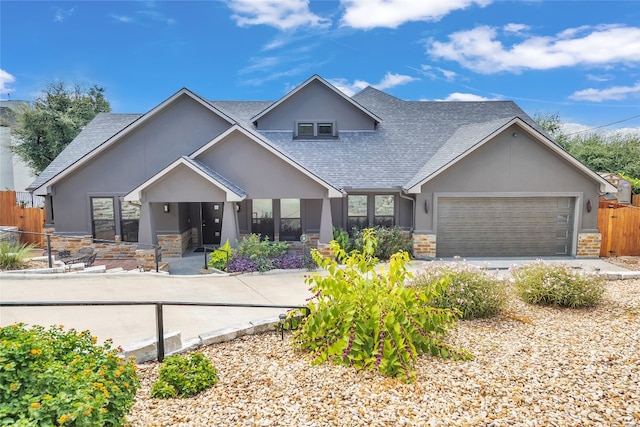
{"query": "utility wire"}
(603, 126)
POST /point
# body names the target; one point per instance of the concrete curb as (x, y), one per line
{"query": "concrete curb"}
(147, 350)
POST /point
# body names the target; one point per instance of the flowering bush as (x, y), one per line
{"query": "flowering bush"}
(369, 319)
(558, 285)
(184, 376)
(241, 264)
(52, 377)
(470, 290)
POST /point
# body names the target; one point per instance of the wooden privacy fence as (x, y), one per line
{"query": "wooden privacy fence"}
(26, 219)
(620, 229)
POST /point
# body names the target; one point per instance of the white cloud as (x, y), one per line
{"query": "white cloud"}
(62, 14)
(516, 28)
(458, 96)
(430, 71)
(5, 80)
(481, 50)
(388, 81)
(600, 78)
(615, 93)
(392, 80)
(122, 18)
(282, 14)
(367, 14)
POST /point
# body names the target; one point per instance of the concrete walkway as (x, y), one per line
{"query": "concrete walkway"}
(129, 325)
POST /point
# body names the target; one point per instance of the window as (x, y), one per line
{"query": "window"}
(325, 129)
(129, 220)
(384, 212)
(262, 218)
(103, 219)
(305, 129)
(290, 224)
(315, 129)
(357, 217)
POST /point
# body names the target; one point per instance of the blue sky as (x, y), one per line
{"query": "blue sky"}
(578, 59)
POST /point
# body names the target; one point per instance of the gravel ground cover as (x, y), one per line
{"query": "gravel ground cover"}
(533, 366)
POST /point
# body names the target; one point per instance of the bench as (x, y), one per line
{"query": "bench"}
(84, 255)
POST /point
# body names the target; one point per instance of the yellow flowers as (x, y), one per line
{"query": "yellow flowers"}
(63, 419)
(13, 386)
(35, 405)
(36, 351)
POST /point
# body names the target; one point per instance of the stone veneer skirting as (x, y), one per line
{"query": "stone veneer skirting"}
(589, 245)
(105, 250)
(175, 245)
(424, 246)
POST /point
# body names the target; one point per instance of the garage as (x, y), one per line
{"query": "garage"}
(504, 226)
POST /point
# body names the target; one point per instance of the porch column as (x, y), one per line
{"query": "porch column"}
(146, 225)
(230, 228)
(326, 222)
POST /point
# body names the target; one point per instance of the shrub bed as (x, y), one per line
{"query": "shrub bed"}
(253, 254)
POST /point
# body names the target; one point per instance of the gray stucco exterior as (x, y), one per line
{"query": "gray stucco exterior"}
(188, 153)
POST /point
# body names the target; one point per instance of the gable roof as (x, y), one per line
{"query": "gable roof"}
(470, 137)
(413, 140)
(314, 78)
(233, 192)
(87, 145)
(103, 127)
(260, 140)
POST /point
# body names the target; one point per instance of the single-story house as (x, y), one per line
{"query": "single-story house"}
(468, 179)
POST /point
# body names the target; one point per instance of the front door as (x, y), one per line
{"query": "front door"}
(211, 222)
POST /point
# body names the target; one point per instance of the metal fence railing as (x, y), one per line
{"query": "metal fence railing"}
(158, 310)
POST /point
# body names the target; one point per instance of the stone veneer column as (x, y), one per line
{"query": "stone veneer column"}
(424, 246)
(589, 245)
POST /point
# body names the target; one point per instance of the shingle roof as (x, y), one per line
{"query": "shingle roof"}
(216, 176)
(101, 128)
(413, 139)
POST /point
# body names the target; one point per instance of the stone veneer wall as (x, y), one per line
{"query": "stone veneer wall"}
(174, 245)
(424, 246)
(589, 245)
(104, 250)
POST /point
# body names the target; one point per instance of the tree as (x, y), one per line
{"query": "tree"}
(57, 116)
(551, 123)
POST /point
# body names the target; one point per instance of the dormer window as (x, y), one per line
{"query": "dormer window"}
(315, 129)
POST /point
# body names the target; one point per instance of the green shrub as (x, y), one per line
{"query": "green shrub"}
(254, 248)
(557, 285)
(12, 256)
(184, 376)
(470, 290)
(390, 241)
(368, 318)
(52, 377)
(219, 258)
(342, 239)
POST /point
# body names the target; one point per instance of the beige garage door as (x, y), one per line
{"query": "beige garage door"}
(505, 226)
